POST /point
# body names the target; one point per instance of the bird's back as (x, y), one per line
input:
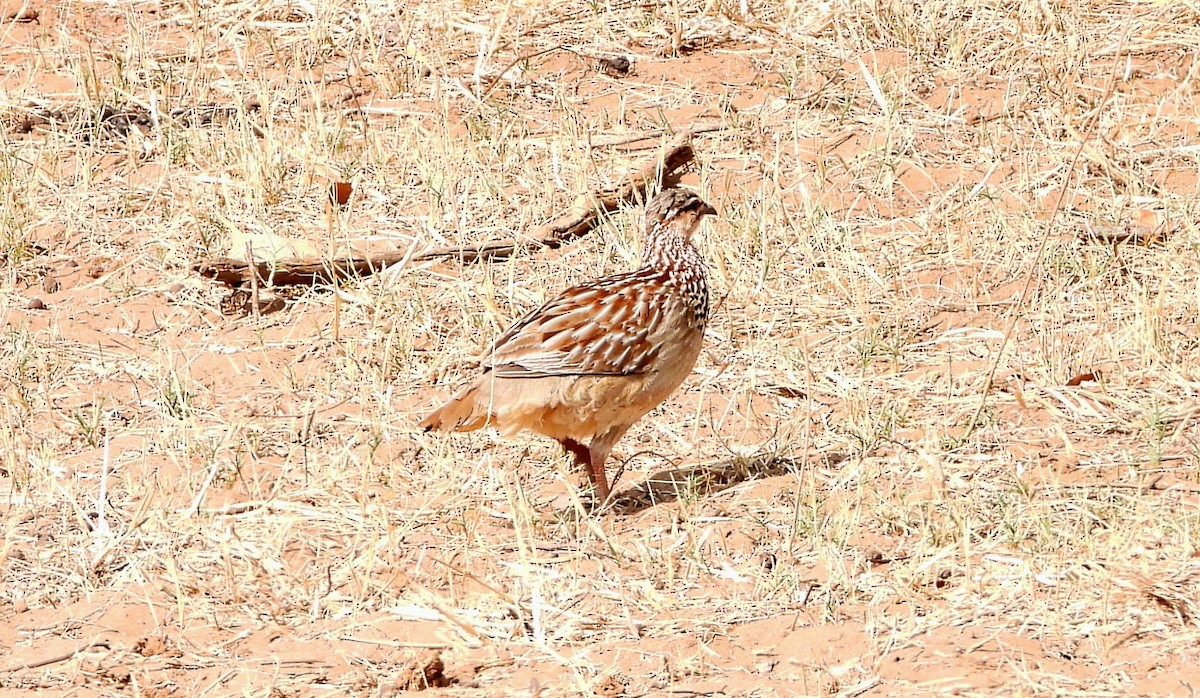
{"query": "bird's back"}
(599, 354)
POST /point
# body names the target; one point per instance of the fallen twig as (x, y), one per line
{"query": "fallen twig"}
(648, 135)
(582, 217)
(24, 13)
(293, 272)
(585, 212)
(56, 658)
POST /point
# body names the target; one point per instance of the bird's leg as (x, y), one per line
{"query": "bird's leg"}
(598, 452)
(598, 478)
(583, 459)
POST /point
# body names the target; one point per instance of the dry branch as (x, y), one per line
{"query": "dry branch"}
(293, 272)
(582, 217)
(20, 665)
(585, 212)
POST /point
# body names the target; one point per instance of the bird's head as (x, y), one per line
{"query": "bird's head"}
(678, 211)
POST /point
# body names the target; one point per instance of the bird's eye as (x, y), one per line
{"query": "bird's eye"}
(689, 204)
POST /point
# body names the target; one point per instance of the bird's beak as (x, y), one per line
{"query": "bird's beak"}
(706, 210)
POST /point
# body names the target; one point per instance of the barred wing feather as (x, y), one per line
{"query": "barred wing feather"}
(604, 328)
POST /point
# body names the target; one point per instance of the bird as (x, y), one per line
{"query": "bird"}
(590, 362)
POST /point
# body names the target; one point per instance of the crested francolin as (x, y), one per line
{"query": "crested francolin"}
(586, 365)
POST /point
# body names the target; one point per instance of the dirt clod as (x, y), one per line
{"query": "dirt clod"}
(615, 66)
(611, 686)
(426, 671)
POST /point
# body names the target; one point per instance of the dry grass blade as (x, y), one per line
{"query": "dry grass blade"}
(1019, 308)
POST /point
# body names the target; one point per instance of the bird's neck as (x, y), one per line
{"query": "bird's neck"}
(671, 257)
(665, 248)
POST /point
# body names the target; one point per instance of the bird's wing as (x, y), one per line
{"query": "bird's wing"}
(603, 328)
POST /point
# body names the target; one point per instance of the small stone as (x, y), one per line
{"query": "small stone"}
(615, 66)
(36, 304)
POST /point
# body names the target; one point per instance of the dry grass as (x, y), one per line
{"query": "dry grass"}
(196, 504)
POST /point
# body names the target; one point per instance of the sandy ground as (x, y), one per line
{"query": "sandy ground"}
(942, 439)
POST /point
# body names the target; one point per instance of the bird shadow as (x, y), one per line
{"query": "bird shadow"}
(703, 479)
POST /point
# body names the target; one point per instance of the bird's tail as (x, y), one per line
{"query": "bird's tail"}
(462, 413)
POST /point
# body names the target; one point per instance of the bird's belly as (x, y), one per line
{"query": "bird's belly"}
(581, 407)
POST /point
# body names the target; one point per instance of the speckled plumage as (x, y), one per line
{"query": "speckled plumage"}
(589, 363)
